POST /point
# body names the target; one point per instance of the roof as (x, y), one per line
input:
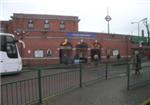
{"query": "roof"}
(137, 39)
(43, 16)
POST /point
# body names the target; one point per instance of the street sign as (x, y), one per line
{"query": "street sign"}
(107, 18)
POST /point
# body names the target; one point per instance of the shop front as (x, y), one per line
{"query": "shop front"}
(82, 51)
(96, 50)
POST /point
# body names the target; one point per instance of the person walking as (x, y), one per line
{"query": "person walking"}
(96, 59)
(137, 64)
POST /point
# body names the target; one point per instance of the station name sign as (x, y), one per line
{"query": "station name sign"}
(80, 35)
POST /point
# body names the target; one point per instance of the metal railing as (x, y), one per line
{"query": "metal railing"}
(35, 89)
(49, 82)
(136, 79)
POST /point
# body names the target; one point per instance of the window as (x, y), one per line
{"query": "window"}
(8, 45)
(38, 53)
(62, 25)
(30, 24)
(46, 24)
(49, 52)
(11, 50)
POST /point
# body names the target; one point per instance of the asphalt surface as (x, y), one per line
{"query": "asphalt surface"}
(110, 92)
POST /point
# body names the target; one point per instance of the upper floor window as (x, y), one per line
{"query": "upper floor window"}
(46, 24)
(30, 24)
(62, 25)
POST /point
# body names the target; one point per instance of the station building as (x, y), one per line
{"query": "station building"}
(53, 39)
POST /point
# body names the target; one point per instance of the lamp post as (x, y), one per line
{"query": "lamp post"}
(145, 22)
(138, 25)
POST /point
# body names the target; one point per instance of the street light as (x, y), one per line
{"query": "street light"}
(138, 24)
(145, 22)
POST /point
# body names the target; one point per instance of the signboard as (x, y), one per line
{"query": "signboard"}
(38, 53)
(65, 47)
(80, 35)
(115, 52)
(138, 39)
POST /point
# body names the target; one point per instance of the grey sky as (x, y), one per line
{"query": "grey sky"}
(90, 12)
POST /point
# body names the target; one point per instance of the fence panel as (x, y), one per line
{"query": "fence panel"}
(19, 92)
(38, 85)
(103, 70)
(58, 83)
(141, 78)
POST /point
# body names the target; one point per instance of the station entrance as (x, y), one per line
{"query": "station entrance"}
(96, 50)
(82, 51)
(65, 52)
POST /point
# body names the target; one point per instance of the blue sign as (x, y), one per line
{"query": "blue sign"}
(80, 35)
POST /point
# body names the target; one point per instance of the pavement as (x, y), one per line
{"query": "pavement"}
(103, 92)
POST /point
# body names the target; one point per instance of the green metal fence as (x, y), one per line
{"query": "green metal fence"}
(48, 82)
(138, 79)
(42, 85)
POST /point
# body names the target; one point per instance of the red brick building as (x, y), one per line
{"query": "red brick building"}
(52, 39)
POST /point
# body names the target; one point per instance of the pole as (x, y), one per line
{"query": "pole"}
(106, 70)
(128, 76)
(128, 70)
(108, 27)
(147, 27)
(80, 74)
(138, 29)
(108, 18)
(39, 85)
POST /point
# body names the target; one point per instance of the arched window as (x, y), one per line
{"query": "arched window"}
(49, 52)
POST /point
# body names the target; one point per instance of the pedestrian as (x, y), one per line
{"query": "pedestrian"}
(137, 64)
(96, 59)
(108, 56)
(118, 56)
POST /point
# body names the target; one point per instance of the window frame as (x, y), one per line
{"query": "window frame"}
(30, 23)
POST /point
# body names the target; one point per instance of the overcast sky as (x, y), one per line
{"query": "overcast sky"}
(90, 12)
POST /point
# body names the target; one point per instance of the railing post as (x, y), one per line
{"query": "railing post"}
(128, 75)
(80, 74)
(39, 86)
(106, 70)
